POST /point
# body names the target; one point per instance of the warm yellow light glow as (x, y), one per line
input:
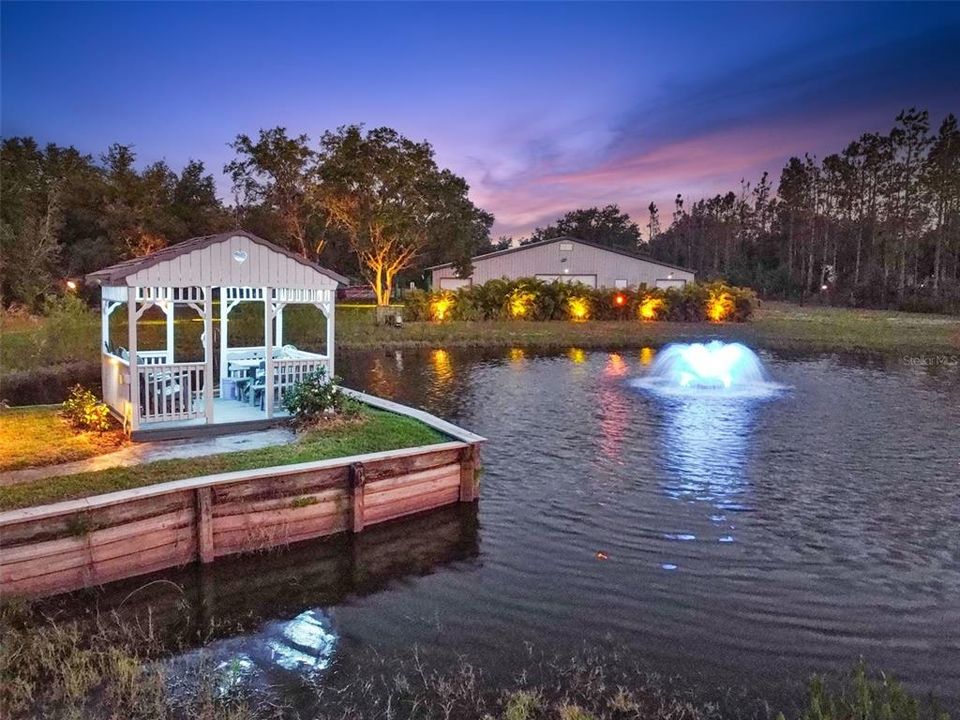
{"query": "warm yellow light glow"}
(650, 307)
(577, 355)
(646, 355)
(720, 306)
(517, 355)
(440, 307)
(71, 285)
(619, 299)
(520, 303)
(442, 366)
(579, 308)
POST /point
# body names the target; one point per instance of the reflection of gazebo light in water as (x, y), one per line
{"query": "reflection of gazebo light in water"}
(304, 644)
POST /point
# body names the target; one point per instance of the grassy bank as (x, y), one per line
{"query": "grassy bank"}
(375, 431)
(27, 345)
(37, 436)
(777, 326)
(111, 668)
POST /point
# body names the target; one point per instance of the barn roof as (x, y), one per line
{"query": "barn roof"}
(120, 271)
(567, 238)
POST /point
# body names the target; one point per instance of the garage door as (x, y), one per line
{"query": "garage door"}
(588, 280)
(670, 283)
(454, 283)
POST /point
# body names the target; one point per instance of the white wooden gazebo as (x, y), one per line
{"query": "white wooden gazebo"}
(151, 391)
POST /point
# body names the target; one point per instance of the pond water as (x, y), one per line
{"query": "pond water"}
(745, 543)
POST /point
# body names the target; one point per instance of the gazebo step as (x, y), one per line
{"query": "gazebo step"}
(182, 432)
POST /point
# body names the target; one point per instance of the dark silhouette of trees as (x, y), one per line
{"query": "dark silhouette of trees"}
(605, 226)
(875, 224)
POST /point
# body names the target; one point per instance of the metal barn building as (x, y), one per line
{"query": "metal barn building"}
(569, 260)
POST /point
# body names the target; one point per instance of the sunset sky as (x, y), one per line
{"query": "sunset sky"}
(542, 107)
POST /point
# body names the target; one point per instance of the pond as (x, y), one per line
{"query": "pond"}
(744, 544)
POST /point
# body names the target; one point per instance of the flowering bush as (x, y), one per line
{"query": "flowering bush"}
(85, 412)
(317, 395)
(532, 299)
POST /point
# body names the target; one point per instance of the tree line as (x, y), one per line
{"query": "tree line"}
(369, 203)
(875, 224)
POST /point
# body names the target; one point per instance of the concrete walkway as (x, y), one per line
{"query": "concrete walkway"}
(144, 452)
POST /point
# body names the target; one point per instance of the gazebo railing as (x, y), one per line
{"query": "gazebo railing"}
(171, 391)
(288, 372)
(115, 380)
(153, 357)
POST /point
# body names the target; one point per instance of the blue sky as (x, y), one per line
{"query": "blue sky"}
(543, 107)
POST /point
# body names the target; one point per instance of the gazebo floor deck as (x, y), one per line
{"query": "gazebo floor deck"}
(229, 416)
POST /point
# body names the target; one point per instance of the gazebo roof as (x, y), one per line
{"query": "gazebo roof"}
(218, 260)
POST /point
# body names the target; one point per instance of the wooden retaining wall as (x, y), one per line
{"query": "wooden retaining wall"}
(80, 543)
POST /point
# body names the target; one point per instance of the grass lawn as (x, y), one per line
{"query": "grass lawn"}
(36, 436)
(377, 430)
(777, 326)
(26, 345)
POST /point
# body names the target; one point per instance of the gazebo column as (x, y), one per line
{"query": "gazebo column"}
(279, 337)
(168, 308)
(331, 308)
(268, 351)
(132, 316)
(224, 319)
(208, 354)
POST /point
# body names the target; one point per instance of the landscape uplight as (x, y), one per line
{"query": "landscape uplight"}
(720, 306)
(71, 285)
(650, 307)
(441, 306)
(579, 308)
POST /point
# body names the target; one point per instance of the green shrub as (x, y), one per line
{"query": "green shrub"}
(533, 299)
(416, 306)
(865, 699)
(85, 412)
(317, 395)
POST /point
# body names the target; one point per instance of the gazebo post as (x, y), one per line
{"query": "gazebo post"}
(279, 339)
(208, 354)
(268, 351)
(331, 309)
(134, 370)
(104, 325)
(168, 308)
(223, 336)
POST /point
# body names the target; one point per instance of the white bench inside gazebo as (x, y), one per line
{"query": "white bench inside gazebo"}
(157, 396)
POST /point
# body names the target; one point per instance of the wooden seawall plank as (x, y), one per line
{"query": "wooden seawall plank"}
(90, 541)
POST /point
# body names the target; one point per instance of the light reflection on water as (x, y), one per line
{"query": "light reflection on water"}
(705, 445)
(765, 536)
(744, 542)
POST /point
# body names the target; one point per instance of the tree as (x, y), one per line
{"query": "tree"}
(910, 138)
(393, 202)
(195, 207)
(653, 224)
(603, 226)
(941, 179)
(275, 174)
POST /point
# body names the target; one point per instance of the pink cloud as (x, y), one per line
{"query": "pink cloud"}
(540, 191)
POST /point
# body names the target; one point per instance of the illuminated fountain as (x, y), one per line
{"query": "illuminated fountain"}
(713, 368)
